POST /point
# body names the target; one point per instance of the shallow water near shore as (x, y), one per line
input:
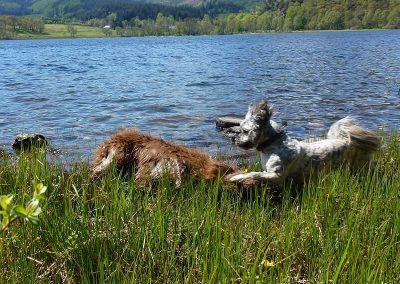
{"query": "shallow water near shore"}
(77, 92)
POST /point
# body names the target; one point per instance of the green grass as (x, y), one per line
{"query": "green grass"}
(340, 228)
(60, 31)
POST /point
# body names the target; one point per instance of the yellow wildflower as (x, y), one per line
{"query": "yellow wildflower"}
(268, 263)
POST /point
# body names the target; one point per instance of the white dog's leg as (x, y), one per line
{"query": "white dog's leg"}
(260, 176)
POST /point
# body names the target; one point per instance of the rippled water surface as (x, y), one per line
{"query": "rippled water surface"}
(77, 92)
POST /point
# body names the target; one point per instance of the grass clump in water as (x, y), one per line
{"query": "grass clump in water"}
(340, 227)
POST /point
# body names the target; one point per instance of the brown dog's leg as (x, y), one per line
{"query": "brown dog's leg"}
(102, 167)
(142, 176)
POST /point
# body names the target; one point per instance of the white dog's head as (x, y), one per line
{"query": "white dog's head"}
(256, 127)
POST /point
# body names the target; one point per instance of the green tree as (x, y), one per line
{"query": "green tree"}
(3, 31)
(248, 23)
(332, 20)
(107, 32)
(232, 24)
(120, 31)
(112, 19)
(381, 17)
(96, 22)
(206, 26)
(369, 20)
(162, 25)
(264, 21)
(277, 22)
(393, 19)
(72, 30)
(12, 22)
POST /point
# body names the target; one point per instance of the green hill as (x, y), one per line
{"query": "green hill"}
(15, 7)
(73, 8)
(261, 15)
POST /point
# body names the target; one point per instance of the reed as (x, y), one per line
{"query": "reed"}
(341, 227)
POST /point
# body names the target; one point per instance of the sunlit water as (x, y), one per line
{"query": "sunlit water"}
(77, 92)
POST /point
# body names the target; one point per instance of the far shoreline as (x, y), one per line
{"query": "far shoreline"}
(99, 35)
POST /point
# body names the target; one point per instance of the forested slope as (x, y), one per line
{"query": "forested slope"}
(223, 16)
(73, 8)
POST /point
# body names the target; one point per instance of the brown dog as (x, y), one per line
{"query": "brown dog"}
(152, 158)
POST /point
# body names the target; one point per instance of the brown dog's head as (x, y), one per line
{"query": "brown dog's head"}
(226, 169)
(219, 169)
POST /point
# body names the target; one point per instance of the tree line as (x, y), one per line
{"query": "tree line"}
(127, 11)
(339, 14)
(11, 25)
(86, 9)
(278, 15)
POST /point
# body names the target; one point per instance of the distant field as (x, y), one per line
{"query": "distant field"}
(60, 31)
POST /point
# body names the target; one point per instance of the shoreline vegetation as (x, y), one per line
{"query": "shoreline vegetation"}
(141, 19)
(340, 227)
(61, 31)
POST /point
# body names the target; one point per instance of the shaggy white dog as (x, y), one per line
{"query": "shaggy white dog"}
(284, 158)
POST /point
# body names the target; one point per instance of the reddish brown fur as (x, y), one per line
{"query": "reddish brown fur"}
(147, 155)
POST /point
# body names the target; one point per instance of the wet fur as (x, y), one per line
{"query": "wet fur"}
(284, 158)
(152, 158)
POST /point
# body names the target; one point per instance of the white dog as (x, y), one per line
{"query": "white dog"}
(284, 158)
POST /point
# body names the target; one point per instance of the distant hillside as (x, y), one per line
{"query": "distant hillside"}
(83, 8)
(275, 15)
(15, 7)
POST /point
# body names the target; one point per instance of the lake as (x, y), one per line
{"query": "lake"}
(78, 91)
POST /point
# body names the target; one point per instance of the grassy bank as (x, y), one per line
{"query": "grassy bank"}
(342, 228)
(52, 31)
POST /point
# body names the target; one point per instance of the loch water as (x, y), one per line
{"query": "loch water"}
(79, 91)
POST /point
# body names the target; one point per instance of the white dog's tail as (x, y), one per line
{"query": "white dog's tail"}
(348, 129)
